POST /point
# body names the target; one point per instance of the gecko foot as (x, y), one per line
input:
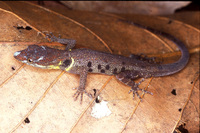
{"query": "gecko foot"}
(79, 92)
(51, 37)
(135, 90)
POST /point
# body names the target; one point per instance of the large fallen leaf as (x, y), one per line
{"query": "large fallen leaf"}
(129, 7)
(38, 100)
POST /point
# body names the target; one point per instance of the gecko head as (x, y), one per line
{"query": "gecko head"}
(43, 57)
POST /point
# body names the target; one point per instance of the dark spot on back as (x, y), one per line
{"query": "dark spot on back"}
(99, 66)
(107, 67)
(89, 64)
(123, 63)
(122, 69)
(102, 71)
(115, 71)
(90, 70)
(66, 63)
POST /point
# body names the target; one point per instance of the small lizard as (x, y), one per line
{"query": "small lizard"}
(84, 61)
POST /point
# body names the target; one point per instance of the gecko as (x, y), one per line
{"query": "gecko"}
(83, 61)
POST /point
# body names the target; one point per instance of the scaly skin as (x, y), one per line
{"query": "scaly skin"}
(84, 61)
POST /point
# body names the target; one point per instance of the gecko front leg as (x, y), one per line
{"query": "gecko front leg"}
(69, 42)
(81, 88)
(127, 77)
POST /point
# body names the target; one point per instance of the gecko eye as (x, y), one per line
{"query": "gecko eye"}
(30, 60)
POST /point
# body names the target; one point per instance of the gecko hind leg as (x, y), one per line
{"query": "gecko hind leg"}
(127, 78)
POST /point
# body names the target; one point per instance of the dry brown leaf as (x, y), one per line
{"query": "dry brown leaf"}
(58, 112)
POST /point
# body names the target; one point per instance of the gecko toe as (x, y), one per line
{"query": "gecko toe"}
(148, 92)
(76, 95)
(80, 93)
(81, 98)
(135, 90)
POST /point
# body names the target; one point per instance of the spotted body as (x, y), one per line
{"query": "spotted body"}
(104, 63)
(84, 61)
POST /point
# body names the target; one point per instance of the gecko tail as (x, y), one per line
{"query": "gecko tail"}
(168, 69)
